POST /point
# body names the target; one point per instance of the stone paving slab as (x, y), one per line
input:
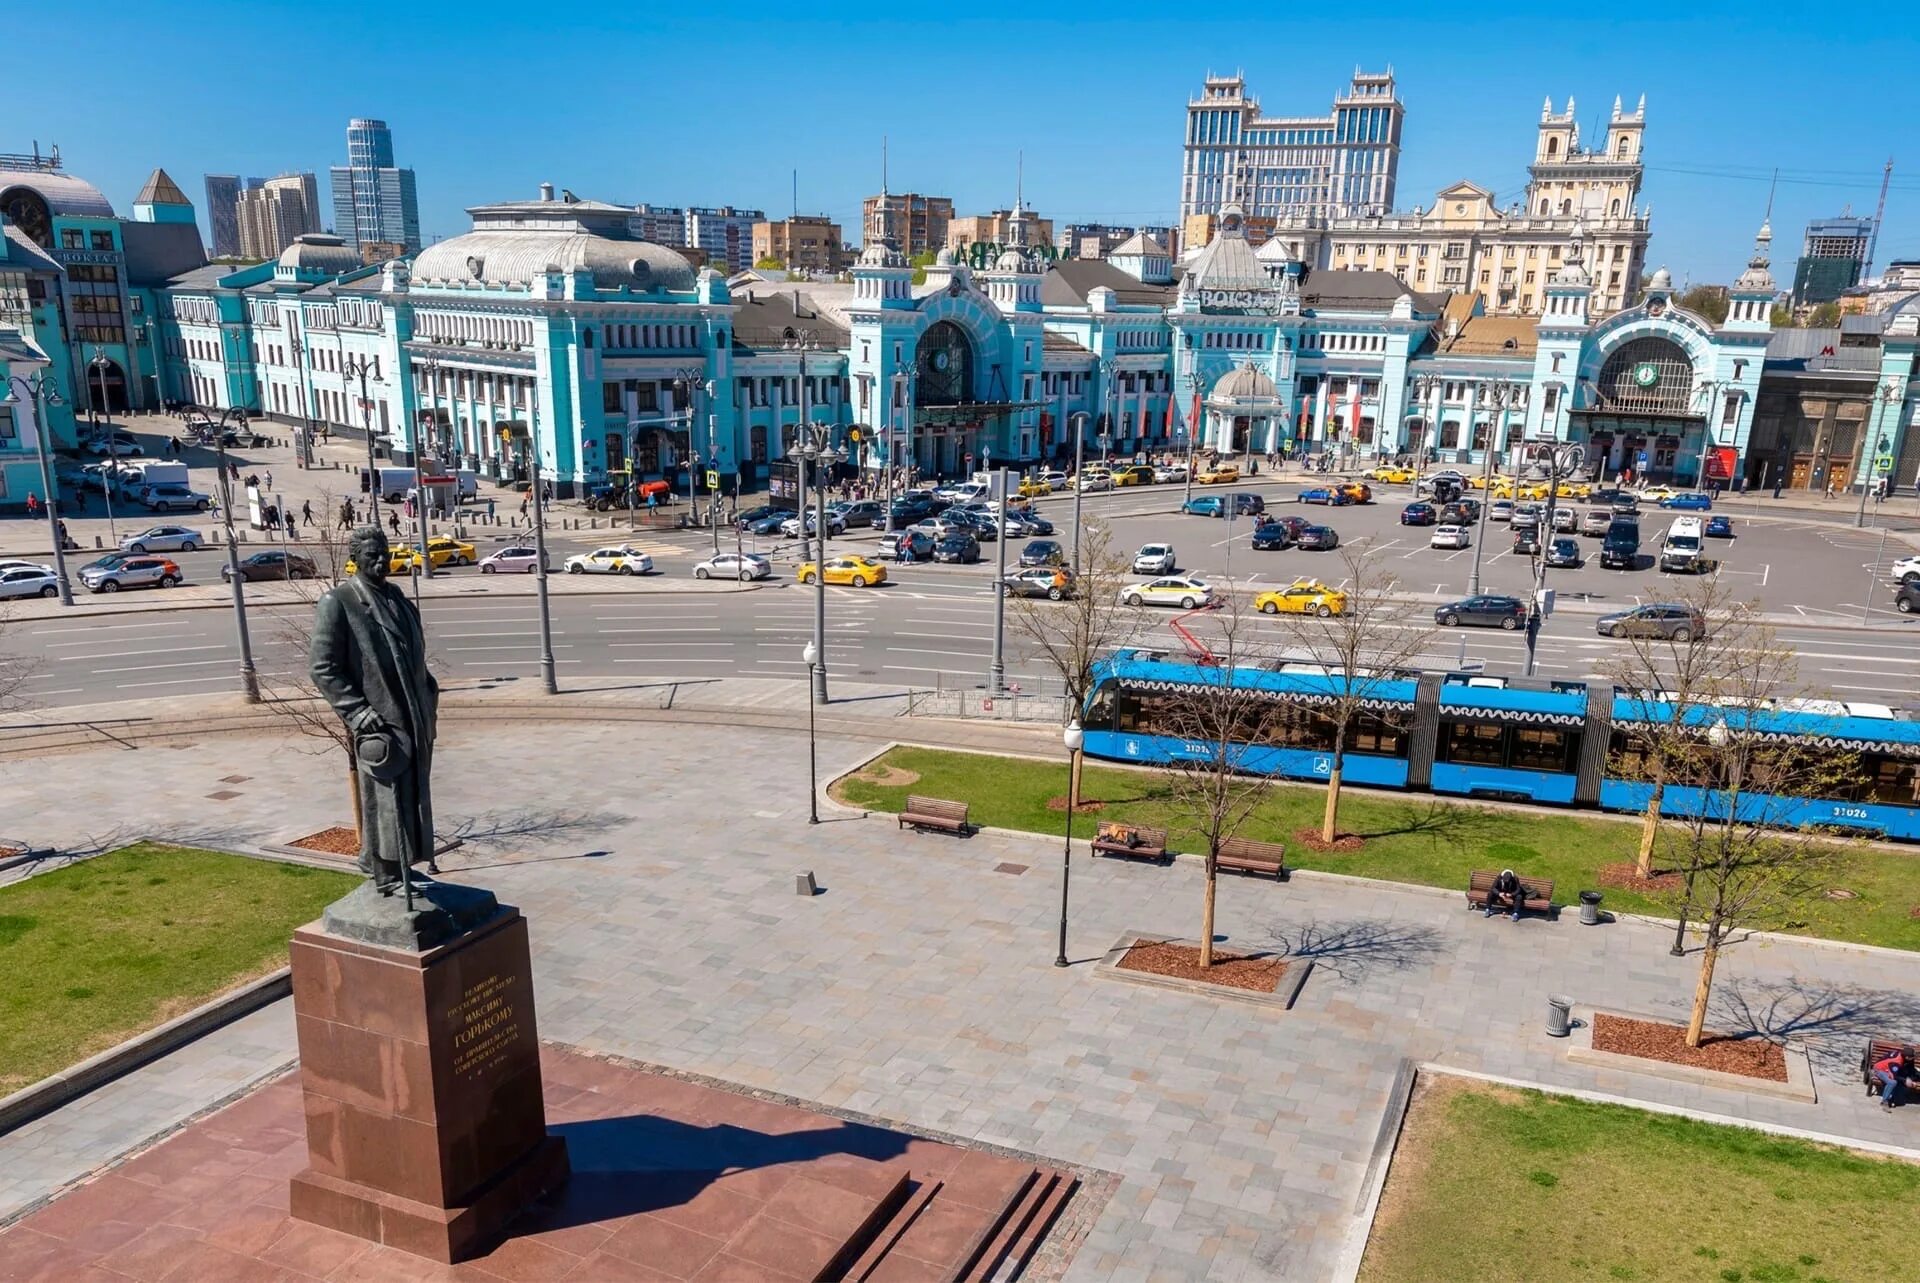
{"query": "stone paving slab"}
(655, 865)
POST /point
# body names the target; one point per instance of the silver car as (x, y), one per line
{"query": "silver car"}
(111, 574)
(1154, 559)
(836, 524)
(28, 581)
(743, 566)
(521, 559)
(163, 539)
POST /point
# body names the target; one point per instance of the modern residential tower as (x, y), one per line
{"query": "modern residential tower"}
(1831, 259)
(374, 201)
(276, 213)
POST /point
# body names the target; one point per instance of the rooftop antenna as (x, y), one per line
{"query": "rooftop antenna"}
(1879, 212)
(883, 164)
(796, 192)
(1019, 179)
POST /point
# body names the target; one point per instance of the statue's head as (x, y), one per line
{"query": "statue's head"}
(368, 548)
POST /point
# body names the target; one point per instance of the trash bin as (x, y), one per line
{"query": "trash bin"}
(1589, 908)
(1559, 1016)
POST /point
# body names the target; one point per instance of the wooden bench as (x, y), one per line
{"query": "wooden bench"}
(1244, 855)
(935, 813)
(1536, 894)
(1137, 841)
(1878, 1049)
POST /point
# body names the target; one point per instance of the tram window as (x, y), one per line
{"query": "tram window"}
(1370, 734)
(1302, 729)
(1101, 709)
(1890, 780)
(1475, 742)
(1539, 750)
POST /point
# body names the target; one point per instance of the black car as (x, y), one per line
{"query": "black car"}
(1037, 524)
(1483, 611)
(770, 524)
(1246, 503)
(1526, 543)
(1461, 512)
(980, 525)
(1625, 506)
(1419, 514)
(1272, 536)
(1907, 600)
(746, 518)
(1564, 553)
(1317, 539)
(272, 564)
(957, 547)
(1041, 552)
(908, 511)
(865, 512)
(1621, 546)
(918, 546)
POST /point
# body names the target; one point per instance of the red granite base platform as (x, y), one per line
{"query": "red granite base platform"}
(672, 1181)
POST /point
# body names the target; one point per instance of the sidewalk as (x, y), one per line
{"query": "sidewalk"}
(918, 987)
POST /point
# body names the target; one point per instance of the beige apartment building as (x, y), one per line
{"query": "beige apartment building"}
(805, 242)
(917, 224)
(1467, 242)
(1001, 227)
(276, 213)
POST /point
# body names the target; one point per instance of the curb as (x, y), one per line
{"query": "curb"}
(1366, 1206)
(51, 1092)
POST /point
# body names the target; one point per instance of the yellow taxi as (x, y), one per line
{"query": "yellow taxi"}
(1218, 474)
(1393, 476)
(855, 571)
(1478, 481)
(1357, 491)
(445, 552)
(1033, 488)
(1654, 494)
(1575, 489)
(1302, 597)
(400, 561)
(1138, 474)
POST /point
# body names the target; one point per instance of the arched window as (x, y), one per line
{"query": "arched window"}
(1566, 207)
(1553, 146)
(1620, 148)
(1543, 209)
(1613, 207)
(943, 362)
(1650, 375)
(586, 339)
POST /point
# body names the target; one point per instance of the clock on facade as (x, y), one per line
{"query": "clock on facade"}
(1646, 375)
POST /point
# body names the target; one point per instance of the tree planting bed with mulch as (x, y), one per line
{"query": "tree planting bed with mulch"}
(338, 840)
(1655, 1040)
(1261, 974)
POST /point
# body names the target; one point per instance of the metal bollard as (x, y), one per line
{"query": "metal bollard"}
(1559, 1016)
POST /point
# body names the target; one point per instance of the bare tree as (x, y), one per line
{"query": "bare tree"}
(1364, 637)
(1070, 635)
(15, 669)
(1216, 719)
(1702, 720)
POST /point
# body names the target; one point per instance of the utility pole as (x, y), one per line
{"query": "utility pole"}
(42, 393)
(249, 677)
(549, 679)
(997, 670)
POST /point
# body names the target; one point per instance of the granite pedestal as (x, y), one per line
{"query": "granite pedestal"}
(420, 1073)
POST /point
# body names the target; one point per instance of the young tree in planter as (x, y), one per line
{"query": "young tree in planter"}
(1744, 862)
(1216, 720)
(1089, 621)
(1359, 633)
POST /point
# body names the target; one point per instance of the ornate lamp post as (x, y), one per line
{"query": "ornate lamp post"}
(688, 377)
(360, 367)
(39, 389)
(1073, 737)
(249, 678)
(811, 654)
(1194, 384)
(1890, 394)
(815, 451)
(1077, 424)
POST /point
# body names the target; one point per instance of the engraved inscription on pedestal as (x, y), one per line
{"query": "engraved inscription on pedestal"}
(485, 1029)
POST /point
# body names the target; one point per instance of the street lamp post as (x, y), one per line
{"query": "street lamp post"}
(360, 367)
(997, 668)
(249, 678)
(811, 654)
(549, 678)
(99, 366)
(713, 463)
(1077, 424)
(1562, 461)
(39, 389)
(688, 377)
(1193, 429)
(1073, 737)
(1889, 395)
(815, 451)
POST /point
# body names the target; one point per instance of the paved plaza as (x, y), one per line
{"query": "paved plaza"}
(655, 864)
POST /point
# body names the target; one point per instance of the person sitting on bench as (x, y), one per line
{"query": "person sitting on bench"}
(1892, 1073)
(1506, 893)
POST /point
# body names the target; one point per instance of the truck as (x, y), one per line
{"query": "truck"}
(391, 484)
(133, 478)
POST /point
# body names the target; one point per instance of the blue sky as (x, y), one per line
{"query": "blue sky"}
(717, 104)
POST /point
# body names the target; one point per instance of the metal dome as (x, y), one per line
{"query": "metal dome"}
(319, 252)
(517, 256)
(1248, 383)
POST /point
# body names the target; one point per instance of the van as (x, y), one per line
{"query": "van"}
(153, 472)
(391, 484)
(1681, 550)
(1620, 548)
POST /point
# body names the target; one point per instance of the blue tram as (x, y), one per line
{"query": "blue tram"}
(1470, 735)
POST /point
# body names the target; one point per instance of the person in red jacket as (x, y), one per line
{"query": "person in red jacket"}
(1892, 1073)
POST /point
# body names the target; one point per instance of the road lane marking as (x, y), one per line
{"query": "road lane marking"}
(148, 668)
(128, 654)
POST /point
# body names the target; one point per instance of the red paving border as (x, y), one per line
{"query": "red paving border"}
(675, 1181)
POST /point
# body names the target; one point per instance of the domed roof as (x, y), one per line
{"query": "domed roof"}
(946, 257)
(1662, 280)
(1572, 272)
(63, 193)
(881, 254)
(1245, 384)
(519, 255)
(1013, 259)
(319, 252)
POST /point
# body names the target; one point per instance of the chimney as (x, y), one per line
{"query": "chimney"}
(546, 191)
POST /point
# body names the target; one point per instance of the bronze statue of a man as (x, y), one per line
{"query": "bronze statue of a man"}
(369, 659)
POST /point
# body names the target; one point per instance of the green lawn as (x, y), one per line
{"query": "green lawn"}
(102, 949)
(1409, 839)
(1502, 1186)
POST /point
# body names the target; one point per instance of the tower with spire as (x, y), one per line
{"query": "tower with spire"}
(1750, 301)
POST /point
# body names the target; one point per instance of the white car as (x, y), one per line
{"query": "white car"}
(15, 563)
(1500, 510)
(730, 565)
(1169, 472)
(119, 443)
(1093, 481)
(521, 559)
(1906, 570)
(1184, 591)
(616, 560)
(1450, 537)
(1055, 480)
(163, 539)
(28, 581)
(1154, 559)
(836, 525)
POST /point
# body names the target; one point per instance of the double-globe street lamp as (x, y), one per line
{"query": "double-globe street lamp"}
(1073, 737)
(815, 450)
(249, 677)
(40, 390)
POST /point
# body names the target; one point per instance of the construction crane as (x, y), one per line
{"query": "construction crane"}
(1879, 212)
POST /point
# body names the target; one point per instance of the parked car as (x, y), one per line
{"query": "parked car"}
(173, 497)
(1302, 597)
(28, 581)
(907, 511)
(1218, 474)
(1137, 474)
(1594, 521)
(1526, 543)
(115, 444)
(1055, 480)
(1483, 611)
(615, 559)
(1391, 474)
(1357, 491)
(1565, 521)
(792, 525)
(1434, 482)
(1272, 536)
(743, 566)
(1154, 559)
(18, 563)
(520, 559)
(856, 572)
(1317, 539)
(1660, 619)
(1906, 570)
(962, 549)
(1169, 472)
(1720, 527)
(1292, 524)
(981, 525)
(1461, 512)
(1693, 500)
(163, 539)
(1500, 510)
(748, 516)
(1205, 505)
(1526, 516)
(768, 525)
(1564, 553)
(1332, 496)
(1090, 482)
(273, 563)
(1625, 506)
(1620, 547)
(861, 514)
(917, 543)
(448, 551)
(111, 574)
(1907, 599)
(1419, 514)
(1034, 487)
(1184, 591)
(1451, 537)
(1042, 552)
(1051, 582)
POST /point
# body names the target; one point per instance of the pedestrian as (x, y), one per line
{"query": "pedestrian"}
(79, 500)
(33, 504)
(306, 512)
(523, 508)
(1505, 894)
(546, 492)
(393, 521)
(346, 515)
(269, 476)
(292, 527)
(60, 529)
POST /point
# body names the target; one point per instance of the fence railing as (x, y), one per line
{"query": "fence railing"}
(1026, 700)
